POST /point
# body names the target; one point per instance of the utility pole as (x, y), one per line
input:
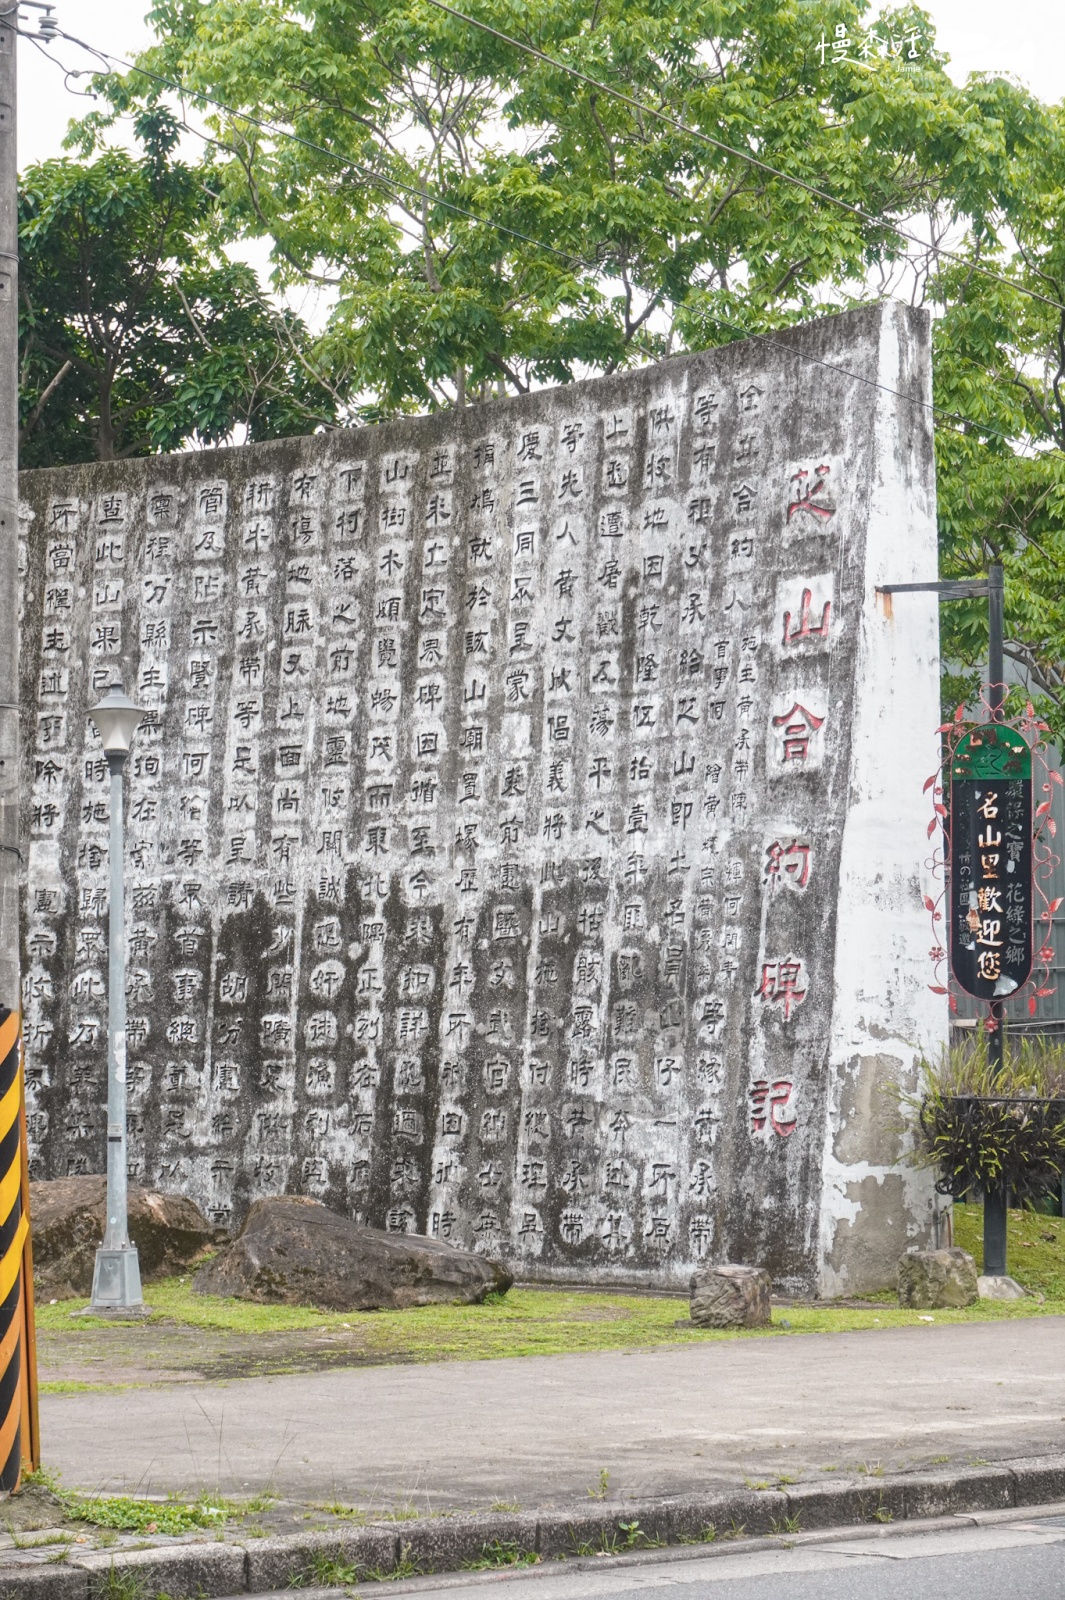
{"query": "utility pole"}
(18, 1379)
(12, 1328)
(9, 689)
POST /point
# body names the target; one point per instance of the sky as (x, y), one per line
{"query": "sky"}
(1022, 37)
(45, 104)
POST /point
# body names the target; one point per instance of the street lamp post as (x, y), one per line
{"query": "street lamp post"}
(116, 1283)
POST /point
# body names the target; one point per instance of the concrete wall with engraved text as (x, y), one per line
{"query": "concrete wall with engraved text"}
(522, 817)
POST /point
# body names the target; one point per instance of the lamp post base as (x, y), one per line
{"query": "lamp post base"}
(116, 1283)
(139, 1313)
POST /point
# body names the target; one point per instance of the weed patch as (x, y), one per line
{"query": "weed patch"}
(111, 1515)
(124, 1514)
(75, 1386)
(634, 1538)
(335, 1508)
(327, 1571)
(404, 1568)
(501, 1553)
(706, 1535)
(118, 1585)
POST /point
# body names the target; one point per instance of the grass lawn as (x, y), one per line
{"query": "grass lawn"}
(538, 1321)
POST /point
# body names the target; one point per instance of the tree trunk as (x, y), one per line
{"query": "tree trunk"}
(105, 429)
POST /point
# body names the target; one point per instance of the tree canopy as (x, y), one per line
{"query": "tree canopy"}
(134, 334)
(1000, 363)
(485, 220)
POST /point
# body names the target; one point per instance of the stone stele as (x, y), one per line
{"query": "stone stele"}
(294, 1251)
(525, 831)
(730, 1296)
(932, 1279)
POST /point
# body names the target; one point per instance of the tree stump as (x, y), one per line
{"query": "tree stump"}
(934, 1279)
(730, 1296)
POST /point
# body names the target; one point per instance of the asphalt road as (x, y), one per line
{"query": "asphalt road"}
(539, 1431)
(1023, 1559)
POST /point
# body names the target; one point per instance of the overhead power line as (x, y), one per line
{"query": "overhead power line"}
(741, 155)
(872, 383)
(960, 423)
(383, 180)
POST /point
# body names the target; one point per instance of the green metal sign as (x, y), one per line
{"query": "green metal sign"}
(992, 752)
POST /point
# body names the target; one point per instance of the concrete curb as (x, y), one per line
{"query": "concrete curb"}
(211, 1571)
(682, 1555)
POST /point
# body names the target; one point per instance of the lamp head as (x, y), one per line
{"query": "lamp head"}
(117, 720)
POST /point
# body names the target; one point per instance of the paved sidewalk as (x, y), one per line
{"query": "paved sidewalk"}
(538, 1431)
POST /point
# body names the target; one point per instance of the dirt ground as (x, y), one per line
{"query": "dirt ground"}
(121, 1354)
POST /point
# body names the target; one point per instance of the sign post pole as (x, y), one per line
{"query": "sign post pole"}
(990, 906)
(966, 934)
(995, 1200)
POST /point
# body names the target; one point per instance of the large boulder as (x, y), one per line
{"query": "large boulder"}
(730, 1296)
(934, 1279)
(68, 1215)
(294, 1251)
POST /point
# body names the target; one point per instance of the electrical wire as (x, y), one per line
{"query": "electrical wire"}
(379, 178)
(741, 155)
(633, 104)
(968, 425)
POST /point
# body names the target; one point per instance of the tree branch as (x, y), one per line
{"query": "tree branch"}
(35, 414)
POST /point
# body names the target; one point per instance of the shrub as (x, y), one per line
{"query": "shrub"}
(986, 1127)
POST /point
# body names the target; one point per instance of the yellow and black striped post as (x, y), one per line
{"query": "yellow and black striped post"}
(16, 1377)
(31, 1424)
